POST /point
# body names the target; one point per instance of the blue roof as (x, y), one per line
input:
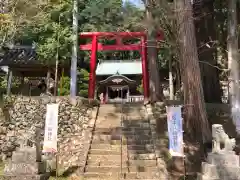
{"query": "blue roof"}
(123, 67)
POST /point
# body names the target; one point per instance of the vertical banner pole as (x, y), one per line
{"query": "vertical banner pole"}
(73, 86)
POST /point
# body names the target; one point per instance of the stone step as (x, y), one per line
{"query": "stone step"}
(105, 169)
(131, 175)
(113, 178)
(106, 152)
(112, 158)
(144, 147)
(145, 156)
(25, 168)
(136, 123)
(135, 129)
(25, 177)
(114, 168)
(103, 137)
(126, 130)
(145, 163)
(125, 133)
(106, 146)
(124, 142)
(116, 147)
(119, 151)
(142, 169)
(106, 163)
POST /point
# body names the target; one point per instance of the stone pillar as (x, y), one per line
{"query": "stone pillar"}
(25, 165)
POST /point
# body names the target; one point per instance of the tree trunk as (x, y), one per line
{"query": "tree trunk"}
(206, 43)
(156, 93)
(48, 81)
(195, 117)
(233, 65)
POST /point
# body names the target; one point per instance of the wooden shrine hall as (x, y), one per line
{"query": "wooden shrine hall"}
(22, 61)
(119, 80)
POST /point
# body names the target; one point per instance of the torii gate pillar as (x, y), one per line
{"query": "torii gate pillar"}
(92, 75)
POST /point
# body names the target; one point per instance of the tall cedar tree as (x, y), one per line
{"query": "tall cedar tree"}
(207, 49)
(196, 122)
(152, 51)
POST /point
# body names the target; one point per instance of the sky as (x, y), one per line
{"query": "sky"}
(136, 2)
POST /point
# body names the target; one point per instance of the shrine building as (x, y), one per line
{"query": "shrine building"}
(119, 80)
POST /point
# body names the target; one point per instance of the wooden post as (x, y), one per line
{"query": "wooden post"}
(9, 83)
(22, 84)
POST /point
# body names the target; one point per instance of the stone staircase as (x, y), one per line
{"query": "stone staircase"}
(131, 157)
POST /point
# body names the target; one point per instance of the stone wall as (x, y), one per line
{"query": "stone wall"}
(24, 114)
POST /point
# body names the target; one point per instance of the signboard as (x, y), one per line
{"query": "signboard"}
(175, 130)
(51, 129)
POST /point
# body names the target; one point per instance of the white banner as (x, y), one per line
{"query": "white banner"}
(175, 130)
(51, 129)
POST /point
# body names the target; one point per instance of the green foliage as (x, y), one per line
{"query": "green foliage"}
(101, 15)
(19, 14)
(83, 79)
(51, 33)
(140, 88)
(64, 89)
(82, 85)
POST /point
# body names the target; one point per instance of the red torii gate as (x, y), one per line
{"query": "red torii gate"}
(94, 46)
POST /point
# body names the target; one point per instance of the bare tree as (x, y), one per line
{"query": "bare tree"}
(195, 116)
